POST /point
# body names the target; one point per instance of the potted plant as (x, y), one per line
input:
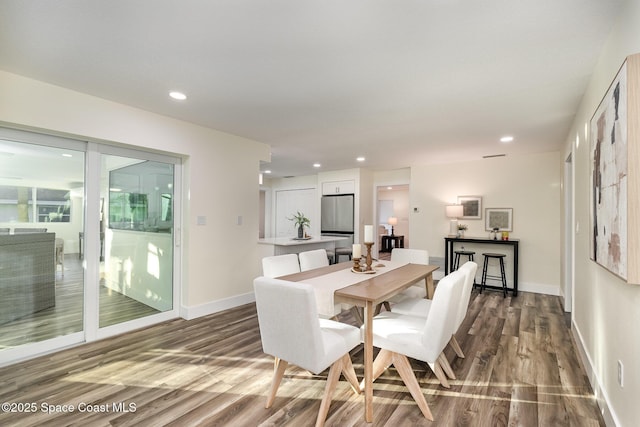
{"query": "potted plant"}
(300, 221)
(461, 229)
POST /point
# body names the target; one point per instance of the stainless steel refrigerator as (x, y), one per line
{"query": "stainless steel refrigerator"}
(337, 215)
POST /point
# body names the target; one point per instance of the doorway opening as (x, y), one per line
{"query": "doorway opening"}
(392, 218)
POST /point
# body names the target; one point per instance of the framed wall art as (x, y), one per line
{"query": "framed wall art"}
(499, 218)
(471, 207)
(615, 182)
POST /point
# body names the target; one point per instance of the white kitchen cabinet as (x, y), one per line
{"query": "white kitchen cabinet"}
(338, 187)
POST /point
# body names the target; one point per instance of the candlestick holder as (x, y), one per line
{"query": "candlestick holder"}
(369, 259)
(356, 264)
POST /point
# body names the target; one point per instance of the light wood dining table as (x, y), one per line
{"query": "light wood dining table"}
(372, 290)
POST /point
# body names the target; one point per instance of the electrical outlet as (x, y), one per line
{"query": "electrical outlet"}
(620, 373)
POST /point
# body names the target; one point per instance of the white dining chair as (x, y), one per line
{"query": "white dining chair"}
(292, 333)
(400, 336)
(413, 256)
(280, 265)
(313, 259)
(420, 306)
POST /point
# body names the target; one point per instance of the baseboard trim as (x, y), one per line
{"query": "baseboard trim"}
(539, 288)
(602, 399)
(216, 306)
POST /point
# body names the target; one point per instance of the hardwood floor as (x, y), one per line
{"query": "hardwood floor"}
(521, 369)
(66, 316)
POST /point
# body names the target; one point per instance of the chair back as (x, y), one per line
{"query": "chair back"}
(289, 324)
(280, 265)
(29, 230)
(469, 269)
(442, 315)
(313, 259)
(413, 256)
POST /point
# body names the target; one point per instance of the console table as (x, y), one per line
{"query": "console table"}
(390, 242)
(451, 240)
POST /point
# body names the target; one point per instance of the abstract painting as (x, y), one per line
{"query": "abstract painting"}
(499, 219)
(471, 207)
(608, 131)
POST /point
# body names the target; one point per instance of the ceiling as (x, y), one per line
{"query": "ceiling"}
(398, 82)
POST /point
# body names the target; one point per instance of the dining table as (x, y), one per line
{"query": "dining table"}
(337, 284)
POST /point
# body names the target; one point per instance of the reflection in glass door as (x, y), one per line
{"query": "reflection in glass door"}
(136, 233)
(41, 219)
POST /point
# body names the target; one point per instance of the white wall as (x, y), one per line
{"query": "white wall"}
(221, 258)
(308, 182)
(528, 184)
(606, 316)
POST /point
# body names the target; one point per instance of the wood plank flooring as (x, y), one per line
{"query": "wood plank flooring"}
(66, 316)
(521, 369)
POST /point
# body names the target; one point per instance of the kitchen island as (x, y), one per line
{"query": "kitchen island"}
(290, 245)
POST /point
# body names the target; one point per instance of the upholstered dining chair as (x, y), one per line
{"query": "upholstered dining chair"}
(280, 265)
(420, 306)
(400, 336)
(313, 259)
(292, 333)
(413, 256)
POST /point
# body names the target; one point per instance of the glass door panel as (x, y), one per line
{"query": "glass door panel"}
(136, 273)
(41, 219)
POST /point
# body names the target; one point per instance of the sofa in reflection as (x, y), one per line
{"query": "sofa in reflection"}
(27, 274)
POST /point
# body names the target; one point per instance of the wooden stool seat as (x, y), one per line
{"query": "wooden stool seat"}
(456, 259)
(502, 277)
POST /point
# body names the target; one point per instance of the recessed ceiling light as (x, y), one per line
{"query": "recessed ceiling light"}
(316, 165)
(360, 159)
(267, 171)
(507, 138)
(178, 95)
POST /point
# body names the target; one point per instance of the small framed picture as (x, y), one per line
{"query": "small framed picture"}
(499, 218)
(471, 207)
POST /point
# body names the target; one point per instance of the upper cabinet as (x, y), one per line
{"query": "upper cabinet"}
(338, 187)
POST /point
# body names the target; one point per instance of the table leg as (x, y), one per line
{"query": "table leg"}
(368, 362)
(515, 270)
(428, 282)
(446, 257)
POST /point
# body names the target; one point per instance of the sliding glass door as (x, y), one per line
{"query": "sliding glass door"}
(41, 216)
(87, 237)
(136, 278)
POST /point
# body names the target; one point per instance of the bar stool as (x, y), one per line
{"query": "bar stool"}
(343, 251)
(502, 277)
(456, 259)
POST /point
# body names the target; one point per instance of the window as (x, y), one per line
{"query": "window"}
(31, 204)
(140, 197)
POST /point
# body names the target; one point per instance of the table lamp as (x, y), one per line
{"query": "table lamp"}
(454, 212)
(392, 221)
